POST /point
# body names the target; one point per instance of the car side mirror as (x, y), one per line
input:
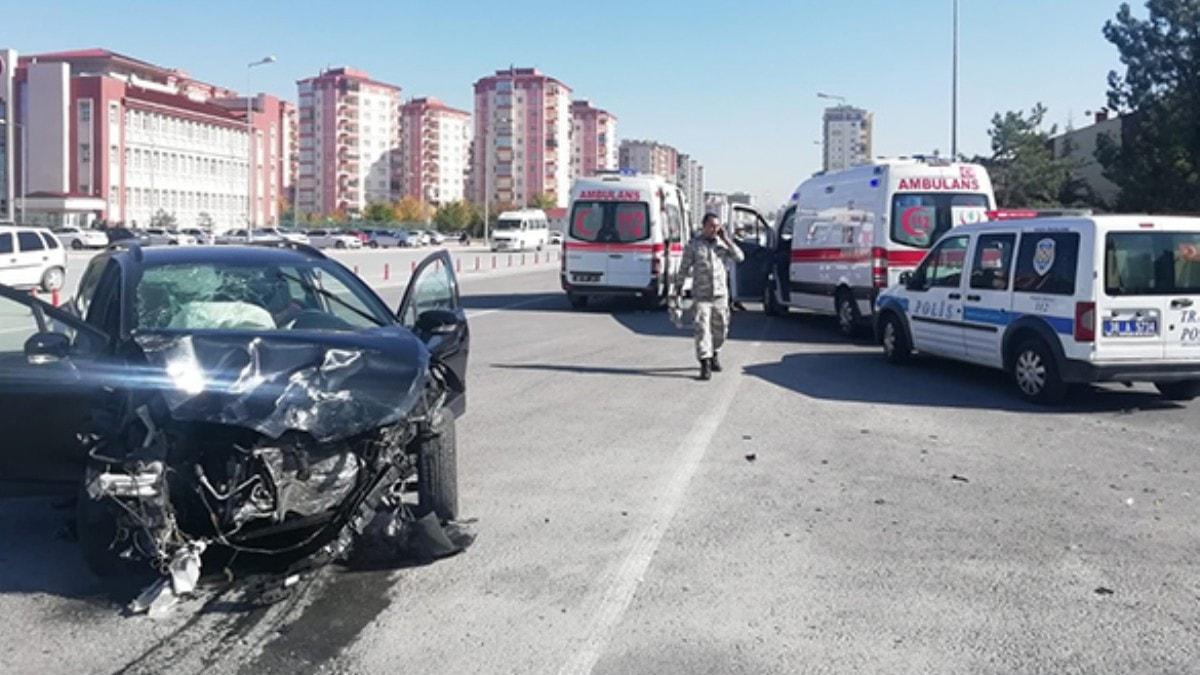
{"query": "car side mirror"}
(437, 322)
(905, 278)
(43, 348)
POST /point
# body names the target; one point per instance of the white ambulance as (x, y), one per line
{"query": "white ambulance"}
(845, 236)
(624, 237)
(524, 230)
(1055, 301)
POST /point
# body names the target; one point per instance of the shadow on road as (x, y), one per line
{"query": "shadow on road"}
(685, 373)
(865, 377)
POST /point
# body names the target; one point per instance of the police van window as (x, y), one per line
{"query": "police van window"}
(30, 241)
(943, 267)
(993, 262)
(610, 222)
(920, 219)
(1046, 263)
(1152, 263)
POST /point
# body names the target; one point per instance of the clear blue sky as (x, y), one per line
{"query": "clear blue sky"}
(732, 83)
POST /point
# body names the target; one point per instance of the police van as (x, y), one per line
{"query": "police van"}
(1055, 301)
(526, 229)
(845, 236)
(624, 237)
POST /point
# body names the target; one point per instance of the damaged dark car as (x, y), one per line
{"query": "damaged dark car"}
(259, 400)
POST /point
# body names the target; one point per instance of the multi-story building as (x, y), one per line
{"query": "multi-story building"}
(522, 138)
(349, 132)
(291, 152)
(691, 179)
(650, 157)
(116, 138)
(434, 150)
(847, 137)
(593, 139)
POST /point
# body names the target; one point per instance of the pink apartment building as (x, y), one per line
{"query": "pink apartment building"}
(434, 150)
(114, 137)
(349, 129)
(522, 138)
(593, 139)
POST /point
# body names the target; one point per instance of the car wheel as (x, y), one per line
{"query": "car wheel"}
(577, 301)
(771, 306)
(339, 244)
(373, 244)
(848, 317)
(1035, 373)
(1178, 391)
(437, 473)
(894, 340)
(76, 245)
(52, 279)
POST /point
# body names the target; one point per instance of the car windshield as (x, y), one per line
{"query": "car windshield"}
(608, 222)
(226, 296)
(508, 224)
(920, 219)
(1152, 263)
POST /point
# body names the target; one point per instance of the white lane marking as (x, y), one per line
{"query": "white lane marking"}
(623, 582)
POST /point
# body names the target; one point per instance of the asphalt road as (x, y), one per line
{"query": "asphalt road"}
(810, 509)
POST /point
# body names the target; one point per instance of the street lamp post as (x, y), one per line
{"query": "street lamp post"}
(250, 148)
(954, 92)
(23, 131)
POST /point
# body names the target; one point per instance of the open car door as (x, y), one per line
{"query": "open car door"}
(752, 234)
(432, 309)
(49, 384)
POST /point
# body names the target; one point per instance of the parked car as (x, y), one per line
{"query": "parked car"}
(119, 233)
(136, 398)
(322, 238)
(556, 238)
(419, 238)
(31, 257)
(386, 238)
(436, 238)
(244, 236)
(297, 236)
(202, 236)
(158, 236)
(78, 238)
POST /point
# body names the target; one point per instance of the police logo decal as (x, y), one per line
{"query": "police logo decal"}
(1043, 257)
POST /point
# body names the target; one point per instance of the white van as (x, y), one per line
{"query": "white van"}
(522, 230)
(32, 257)
(625, 237)
(845, 236)
(1055, 301)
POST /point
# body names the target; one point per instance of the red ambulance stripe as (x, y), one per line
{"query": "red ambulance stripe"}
(613, 248)
(810, 255)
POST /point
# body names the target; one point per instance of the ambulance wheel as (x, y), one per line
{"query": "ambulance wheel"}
(577, 301)
(848, 317)
(771, 306)
(1035, 373)
(1178, 391)
(894, 339)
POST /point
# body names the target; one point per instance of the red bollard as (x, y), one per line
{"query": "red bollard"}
(458, 264)
(535, 258)
(493, 262)
(387, 272)
(510, 260)
(476, 263)
(54, 297)
(522, 260)
(356, 270)
(414, 266)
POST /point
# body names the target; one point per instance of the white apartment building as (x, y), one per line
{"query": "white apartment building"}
(349, 130)
(650, 157)
(848, 132)
(522, 138)
(691, 179)
(434, 151)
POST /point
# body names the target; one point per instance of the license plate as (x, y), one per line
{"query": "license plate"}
(585, 276)
(1131, 328)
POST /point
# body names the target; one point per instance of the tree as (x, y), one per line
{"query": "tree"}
(1156, 162)
(412, 210)
(379, 212)
(455, 216)
(1023, 168)
(542, 201)
(163, 219)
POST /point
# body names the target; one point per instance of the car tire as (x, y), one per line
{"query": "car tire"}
(76, 245)
(848, 318)
(372, 244)
(339, 244)
(577, 301)
(1178, 391)
(52, 279)
(772, 306)
(437, 472)
(894, 340)
(1035, 373)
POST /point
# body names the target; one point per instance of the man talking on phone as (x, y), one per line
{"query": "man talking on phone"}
(708, 259)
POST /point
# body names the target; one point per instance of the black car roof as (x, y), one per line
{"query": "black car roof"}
(239, 255)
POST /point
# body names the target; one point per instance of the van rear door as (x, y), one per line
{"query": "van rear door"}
(1151, 305)
(609, 244)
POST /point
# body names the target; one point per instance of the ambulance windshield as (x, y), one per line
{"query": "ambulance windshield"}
(610, 222)
(920, 219)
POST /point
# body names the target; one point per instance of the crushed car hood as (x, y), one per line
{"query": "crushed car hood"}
(327, 384)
